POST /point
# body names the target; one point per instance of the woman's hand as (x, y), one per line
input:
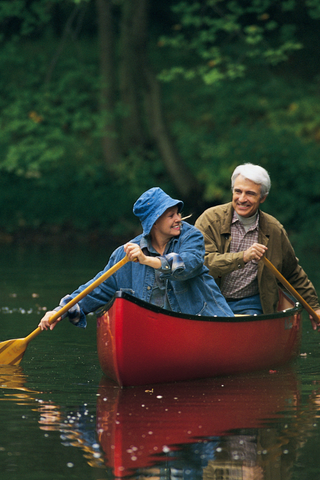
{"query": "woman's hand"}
(44, 322)
(135, 254)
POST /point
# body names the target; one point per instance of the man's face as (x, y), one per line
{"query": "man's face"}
(246, 196)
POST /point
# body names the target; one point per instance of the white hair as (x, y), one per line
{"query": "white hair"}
(256, 174)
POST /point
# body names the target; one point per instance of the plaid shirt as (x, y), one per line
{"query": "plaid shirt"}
(242, 283)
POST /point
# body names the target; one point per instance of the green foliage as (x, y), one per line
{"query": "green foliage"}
(235, 107)
(314, 8)
(43, 123)
(263, 120)
(52, 172)
(21, 19)
(63, 206)
(224, 38)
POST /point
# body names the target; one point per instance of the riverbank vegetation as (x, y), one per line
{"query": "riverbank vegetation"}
(103, 99)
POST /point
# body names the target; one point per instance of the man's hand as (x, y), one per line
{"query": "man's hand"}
(315, 325)
(255, 252)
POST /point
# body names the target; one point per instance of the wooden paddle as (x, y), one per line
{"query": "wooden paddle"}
(290, 288)
(12, 351)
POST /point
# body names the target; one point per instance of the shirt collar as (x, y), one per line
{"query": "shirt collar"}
(145, 242)
(252, 221)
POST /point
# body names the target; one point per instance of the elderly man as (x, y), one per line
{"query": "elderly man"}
(238, 234)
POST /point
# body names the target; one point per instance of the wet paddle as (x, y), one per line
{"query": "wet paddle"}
(12, 351)
(290, 288)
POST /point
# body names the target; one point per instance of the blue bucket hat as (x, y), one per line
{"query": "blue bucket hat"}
(151, 205)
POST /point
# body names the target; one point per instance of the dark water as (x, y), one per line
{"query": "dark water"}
(61, 419)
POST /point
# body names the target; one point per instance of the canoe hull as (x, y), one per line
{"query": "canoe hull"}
(139, 344)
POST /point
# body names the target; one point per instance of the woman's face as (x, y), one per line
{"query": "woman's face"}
(169, 224)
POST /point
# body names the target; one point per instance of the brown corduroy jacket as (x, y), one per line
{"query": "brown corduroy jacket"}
(215, 225)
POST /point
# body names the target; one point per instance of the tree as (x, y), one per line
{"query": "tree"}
(132, 121)
(110, 138)
(227, 37)
(142, 125)
(90, 117)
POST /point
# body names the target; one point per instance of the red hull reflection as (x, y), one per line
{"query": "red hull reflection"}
(138, 426)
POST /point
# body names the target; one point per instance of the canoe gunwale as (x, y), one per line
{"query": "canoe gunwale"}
(237, 319)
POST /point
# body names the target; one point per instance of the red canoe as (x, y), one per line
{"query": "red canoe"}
(140, 344)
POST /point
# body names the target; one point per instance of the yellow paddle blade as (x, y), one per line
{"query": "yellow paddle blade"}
(11, 351)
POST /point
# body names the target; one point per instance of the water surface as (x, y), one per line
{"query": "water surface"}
(61, 418)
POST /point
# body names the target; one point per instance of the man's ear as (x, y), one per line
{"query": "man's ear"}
(263, 199)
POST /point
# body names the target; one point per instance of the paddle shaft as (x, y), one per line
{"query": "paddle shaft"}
(80, 296)
(290, 288)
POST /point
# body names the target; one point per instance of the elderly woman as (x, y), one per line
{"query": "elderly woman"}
(166, 266)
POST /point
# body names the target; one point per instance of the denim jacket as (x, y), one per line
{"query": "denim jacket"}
(190, 289)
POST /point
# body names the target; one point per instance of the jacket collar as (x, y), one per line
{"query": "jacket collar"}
(227, 219)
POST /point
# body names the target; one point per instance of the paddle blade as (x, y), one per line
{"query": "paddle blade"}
(12, 351)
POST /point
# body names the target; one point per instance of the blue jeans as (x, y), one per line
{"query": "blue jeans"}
(248, 305)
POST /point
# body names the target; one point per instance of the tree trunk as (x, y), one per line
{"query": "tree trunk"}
(140, 93)
(143, 125)
(133, 38)
(180, 175)
(110, 138)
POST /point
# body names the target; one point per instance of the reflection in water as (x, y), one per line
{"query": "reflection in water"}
(77, 430)
(186, 428)
(13, 378)
(248, 427)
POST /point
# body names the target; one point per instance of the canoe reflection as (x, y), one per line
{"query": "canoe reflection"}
(180, 424)
(250, 427)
